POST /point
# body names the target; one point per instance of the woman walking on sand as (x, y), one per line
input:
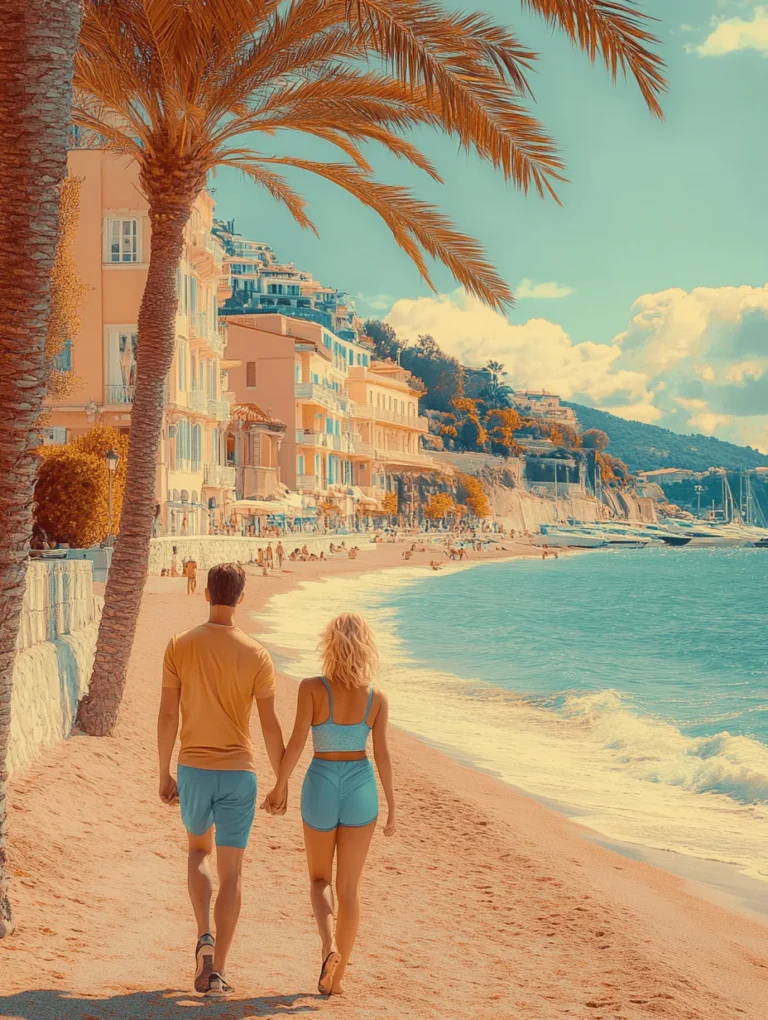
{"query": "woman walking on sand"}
(339, 799)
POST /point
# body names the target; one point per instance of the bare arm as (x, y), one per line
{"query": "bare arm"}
(167, 729)
(271, 731)
(384, 762)
(275, 800)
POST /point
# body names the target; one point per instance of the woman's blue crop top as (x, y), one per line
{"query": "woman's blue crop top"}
(331, 736)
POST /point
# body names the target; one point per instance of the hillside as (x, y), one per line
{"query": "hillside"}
(646, 447)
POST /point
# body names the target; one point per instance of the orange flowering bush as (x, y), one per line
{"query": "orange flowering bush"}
(440, 505)
(390, 504)
(72, 490)
(473, 495)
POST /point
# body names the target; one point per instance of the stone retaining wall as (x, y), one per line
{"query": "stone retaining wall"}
(55, 649)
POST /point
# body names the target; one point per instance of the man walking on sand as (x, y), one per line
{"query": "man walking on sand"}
(280, 555)
(212, 674)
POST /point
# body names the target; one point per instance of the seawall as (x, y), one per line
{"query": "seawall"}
(208, 550)
(55, 649)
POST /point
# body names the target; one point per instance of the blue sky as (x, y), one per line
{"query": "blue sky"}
(668, 214)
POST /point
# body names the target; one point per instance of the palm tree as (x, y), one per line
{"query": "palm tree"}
(185, 86)
(496, 393)
(37, 45)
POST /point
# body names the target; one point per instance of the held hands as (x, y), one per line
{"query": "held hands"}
(169, 793)
(276, 801)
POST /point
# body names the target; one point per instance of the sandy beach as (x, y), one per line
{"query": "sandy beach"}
(485, 904)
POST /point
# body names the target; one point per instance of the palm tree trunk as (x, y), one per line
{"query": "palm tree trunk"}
(38, 39)
(122, 599)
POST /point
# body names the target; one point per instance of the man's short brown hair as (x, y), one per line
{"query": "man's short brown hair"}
(225, 584)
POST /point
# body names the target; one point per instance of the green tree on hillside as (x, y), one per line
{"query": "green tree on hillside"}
(595, 439)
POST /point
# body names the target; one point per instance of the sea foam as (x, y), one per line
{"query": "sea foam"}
(628, 775)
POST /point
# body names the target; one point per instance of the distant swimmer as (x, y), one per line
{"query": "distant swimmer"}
(435, 565)
(546, 551)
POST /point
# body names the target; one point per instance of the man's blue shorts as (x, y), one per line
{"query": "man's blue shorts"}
(220, 797)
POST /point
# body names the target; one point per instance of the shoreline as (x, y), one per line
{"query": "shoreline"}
(714, 880)
(486, 904)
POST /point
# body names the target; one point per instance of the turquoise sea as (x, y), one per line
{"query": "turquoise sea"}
(630, 688)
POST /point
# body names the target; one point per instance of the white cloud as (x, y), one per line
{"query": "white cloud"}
(728, 35)
(375, 302)
(529, 289)
(692, 361)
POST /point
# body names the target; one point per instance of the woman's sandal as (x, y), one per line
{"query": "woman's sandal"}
(218, 987)
(328, 971)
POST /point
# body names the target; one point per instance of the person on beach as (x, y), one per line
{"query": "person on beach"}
(269, 556)
(212, 674)
(190, 572)
(339, 798)
(280, 555)
(174, 562)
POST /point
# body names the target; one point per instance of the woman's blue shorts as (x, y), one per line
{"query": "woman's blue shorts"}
(339, 793)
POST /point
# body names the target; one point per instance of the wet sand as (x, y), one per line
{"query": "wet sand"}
(485, 904)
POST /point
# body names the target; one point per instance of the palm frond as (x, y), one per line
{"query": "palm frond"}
(415, 225)
(277, 186)
(616, 31)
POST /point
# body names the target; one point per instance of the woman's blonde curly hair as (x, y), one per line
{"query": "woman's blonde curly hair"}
(349, 652)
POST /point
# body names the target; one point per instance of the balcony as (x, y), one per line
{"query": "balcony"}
(324, 396)
(371, 413)
(309, 483)
(198, 401)
(220, 410)
(405, 457)
(206, 253)
(345, 443)
(218, 476)
(259, 482)
(119, 394)
(204, 333)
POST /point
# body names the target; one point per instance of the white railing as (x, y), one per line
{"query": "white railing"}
(309, 483)
(221, 410)
(219, 475)
(323, 395)
(346, 443)
(403, 457)
(119, 394)
(411, 421)
(198, 401)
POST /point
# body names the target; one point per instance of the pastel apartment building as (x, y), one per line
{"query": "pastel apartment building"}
(261, 285)
(546, 406)
(194, 481)
(351, 422)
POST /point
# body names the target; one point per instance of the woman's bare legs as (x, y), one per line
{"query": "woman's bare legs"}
(352, 845)
(320, 848)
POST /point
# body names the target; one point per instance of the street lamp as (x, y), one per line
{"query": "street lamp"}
(112, 459)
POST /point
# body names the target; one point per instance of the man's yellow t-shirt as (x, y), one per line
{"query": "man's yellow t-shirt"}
(219, 671)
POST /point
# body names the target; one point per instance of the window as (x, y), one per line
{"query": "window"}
(181, 357)
(300, 469)
(250, 373)
(123, 243)
(121, 364)
(62, 362)
(197, 444)
(53, 437)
